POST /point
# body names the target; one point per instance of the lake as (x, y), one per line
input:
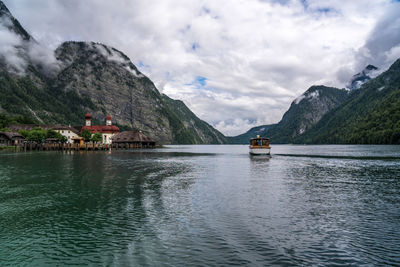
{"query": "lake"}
(202, 206)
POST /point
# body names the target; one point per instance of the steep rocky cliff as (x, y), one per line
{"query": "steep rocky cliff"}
(304, 112)
(370, 115)
(114, 85)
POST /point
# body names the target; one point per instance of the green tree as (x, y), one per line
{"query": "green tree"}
(24, 133)
(86, 134)
(53, 134)
(63, 139)
(37, 135)
(96, 137)
(6, 120)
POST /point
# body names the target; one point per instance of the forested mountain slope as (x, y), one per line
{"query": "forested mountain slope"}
(370, 115)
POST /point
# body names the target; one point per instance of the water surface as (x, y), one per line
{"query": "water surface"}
(203, 206)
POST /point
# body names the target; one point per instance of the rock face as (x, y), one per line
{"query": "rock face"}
(304, 112)
(200, 131)
(308, 109)
(114, 85)
(364, 76)
(92, 77)
(370, 115)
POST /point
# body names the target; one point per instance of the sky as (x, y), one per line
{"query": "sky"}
(235, 63)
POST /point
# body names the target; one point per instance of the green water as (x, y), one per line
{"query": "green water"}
(203, 206)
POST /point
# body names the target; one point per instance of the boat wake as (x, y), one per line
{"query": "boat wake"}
(341, 156)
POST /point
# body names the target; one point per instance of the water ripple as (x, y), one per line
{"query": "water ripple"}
(201, 206)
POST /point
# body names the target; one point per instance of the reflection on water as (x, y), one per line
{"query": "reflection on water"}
(201, 205)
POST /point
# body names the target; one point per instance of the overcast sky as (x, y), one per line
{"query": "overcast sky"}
(236, 64)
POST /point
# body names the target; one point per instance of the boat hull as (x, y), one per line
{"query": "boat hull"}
(260, 151)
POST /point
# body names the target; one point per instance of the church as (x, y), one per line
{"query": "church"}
(107, 131)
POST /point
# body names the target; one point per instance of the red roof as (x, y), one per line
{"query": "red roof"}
(88, 116)
(101, 129)
(108, 117)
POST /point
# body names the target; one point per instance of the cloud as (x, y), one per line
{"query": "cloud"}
(382, 46)
(10, 48)
(44, 58)
(235, 64)
(17, 53)
(237, 125)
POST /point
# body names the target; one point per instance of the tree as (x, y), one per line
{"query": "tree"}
(37, 135)
(24, 133)
(63, 139)
(53, 134)
(97, 137)
(6, 120)
(86, 134)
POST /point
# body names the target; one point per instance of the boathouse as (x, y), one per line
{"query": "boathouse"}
(107, 131)
(132, 139)
(11, 138)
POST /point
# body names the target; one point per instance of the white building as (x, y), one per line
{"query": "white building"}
(69, 132)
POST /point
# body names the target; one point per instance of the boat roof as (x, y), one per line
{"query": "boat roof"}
(260, 138)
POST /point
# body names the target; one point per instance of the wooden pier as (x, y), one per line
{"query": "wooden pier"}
(27, 146)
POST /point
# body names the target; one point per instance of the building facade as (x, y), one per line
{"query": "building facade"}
(11, 139)
(132, 139)
(69, 132)
(107, 131)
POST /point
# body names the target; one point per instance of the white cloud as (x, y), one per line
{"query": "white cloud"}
(256, 56)
(10, 48)
(43, 57)
(18, 53)
(382, 46)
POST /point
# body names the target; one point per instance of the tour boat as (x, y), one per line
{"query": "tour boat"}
(259, 146)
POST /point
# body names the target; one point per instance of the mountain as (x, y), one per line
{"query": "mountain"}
(200, 131)
(12, 24)
(252, 133)
(370, 115)
(82, 77)
(304, 112)
(364, 76)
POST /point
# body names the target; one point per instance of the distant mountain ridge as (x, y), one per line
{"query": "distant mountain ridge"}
(92, 77)
(370, 115)
(304, 112)
(244, 138)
